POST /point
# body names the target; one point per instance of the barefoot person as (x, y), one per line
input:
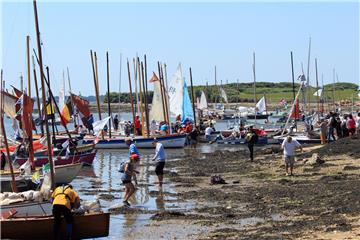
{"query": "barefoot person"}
(159, 157)
(289, 145)
(128, 173)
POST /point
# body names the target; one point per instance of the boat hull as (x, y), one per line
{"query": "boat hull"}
(171, 141)
(238, 141)
(85, 226)
(86, 158)
(301, 139)
(260, 116)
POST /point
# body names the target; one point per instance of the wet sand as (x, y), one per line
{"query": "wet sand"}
(322, 201)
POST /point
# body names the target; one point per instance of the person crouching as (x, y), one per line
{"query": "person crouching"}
(128, 173)
(64, 198)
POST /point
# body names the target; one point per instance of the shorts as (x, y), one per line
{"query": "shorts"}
(208, 137)
(159, 169)
(193, 142)
(289, 160)
(126, 181)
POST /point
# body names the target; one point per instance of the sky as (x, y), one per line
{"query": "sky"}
(199, 35)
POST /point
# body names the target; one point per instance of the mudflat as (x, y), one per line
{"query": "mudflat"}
(321, 201)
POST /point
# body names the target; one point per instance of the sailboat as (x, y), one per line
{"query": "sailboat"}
(226, 113)
(157, 114)
(260, 110)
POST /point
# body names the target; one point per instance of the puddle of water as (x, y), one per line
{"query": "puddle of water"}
(102, 181)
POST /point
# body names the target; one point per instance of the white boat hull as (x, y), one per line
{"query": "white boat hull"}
(170, 141)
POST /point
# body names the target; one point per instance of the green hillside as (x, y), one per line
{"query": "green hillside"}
(244, 92)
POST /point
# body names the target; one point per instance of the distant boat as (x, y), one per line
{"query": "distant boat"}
(169, 141)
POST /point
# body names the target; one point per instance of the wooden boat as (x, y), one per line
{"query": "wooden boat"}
(90, 225)
(303, 139)
(29, 208)
(86, 158)
(63, 174)
(169, 141)
(258, 116)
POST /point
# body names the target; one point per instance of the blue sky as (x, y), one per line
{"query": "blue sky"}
(199, 35)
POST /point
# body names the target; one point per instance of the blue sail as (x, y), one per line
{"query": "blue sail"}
(187, 105)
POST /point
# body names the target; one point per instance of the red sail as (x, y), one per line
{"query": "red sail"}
(81, 105)
(296, 111)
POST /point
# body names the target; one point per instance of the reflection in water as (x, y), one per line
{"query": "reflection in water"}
(160, 204)
(110, 173)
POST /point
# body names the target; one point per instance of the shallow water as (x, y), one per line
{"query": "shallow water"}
(102, 181)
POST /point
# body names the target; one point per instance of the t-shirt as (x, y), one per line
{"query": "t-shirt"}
(137, 123)
(350, 123)
(64, 195)
(208, 131)
(289, 147)
(125, 176)
(164, 127)
(159, 153)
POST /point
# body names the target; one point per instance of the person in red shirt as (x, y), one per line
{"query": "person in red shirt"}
(351, 125)
(137, 126)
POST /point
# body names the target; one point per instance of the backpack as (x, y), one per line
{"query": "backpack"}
(122, 167)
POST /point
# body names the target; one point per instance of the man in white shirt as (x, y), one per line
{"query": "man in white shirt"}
(289, 145)
(159, 157)
(208, 132)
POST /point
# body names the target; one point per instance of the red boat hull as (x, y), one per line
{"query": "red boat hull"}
(86, 158)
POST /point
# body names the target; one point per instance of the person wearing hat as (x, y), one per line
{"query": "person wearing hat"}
(64, 198)
(132, 147)
(159, 157)
(289, 145)
(251, 139)
(128, 174)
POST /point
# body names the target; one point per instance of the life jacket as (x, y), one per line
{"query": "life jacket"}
(63, 192)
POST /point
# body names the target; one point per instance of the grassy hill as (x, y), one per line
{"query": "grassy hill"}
(244, 92)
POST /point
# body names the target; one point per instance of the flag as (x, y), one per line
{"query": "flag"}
(318, 93)
(99, 125)
(223, 94)
(66, 112)
(25, 108)
(261, 105)
(296, 111)
(35, 178)
(17, 92)
(154, 78)
(81, 105)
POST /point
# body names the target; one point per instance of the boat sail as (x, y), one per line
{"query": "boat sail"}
(187, 110)
(203, 103)
(176, 93)
(156, 111)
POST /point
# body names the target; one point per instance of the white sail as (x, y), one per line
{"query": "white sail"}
(156, 111)
(176, 93)
(318, 92)
(202, 103)
(261, 105)
(62, 94)
(223, 95)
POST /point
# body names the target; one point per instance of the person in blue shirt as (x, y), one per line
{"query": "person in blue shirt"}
(159, 157)
(132, 147)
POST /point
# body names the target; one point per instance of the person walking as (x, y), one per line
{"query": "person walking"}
(132, 147)
(159, 157)
(289, 146)
(351, 125)
(3, 160)
(128, 174)
(251, 139)
(137, 126)
(64, 198)
(331, 127)
(116, 123)
(323, 131)
(208, 132)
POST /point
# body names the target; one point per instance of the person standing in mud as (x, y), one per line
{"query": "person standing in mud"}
(159, 157)
(251, 139)
(289, 145)
(132, 147)
(128, 174)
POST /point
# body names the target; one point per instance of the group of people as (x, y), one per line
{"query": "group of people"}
(128, 169)
(337, 126)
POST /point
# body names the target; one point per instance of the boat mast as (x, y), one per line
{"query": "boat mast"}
(254, 73)
(140, 95)
(30, 138)
(317, 86)
(37, 97)
(131, 94)
(192, 95)
(8, 158)
(333, 90)
(71, 99)
(293, 81)
(145, 100)
(308, 78)
(120, 84)
(162, 93)
(49, 149)
(108, 91)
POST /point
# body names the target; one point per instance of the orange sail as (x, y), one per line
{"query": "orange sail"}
(296, 111)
